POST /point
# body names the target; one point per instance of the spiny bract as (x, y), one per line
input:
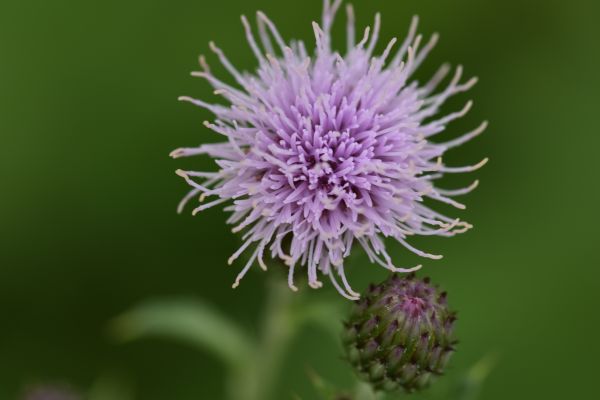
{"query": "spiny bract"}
(400, 334)
(329, 150)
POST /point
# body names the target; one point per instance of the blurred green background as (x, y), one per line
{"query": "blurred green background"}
(88, 115)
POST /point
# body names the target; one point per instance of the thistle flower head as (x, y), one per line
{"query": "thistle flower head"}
(328, 150)
(400, 334)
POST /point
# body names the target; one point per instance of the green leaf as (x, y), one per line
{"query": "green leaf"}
(323, 313)
(364, 391)
(188, 321)
(325, 389)
(476, 376)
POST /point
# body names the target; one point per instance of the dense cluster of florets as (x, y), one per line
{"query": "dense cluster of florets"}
(329, 150)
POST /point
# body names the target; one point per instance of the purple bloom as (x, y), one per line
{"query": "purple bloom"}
(329, 150)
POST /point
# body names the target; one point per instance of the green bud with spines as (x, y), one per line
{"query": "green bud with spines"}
(400, 334)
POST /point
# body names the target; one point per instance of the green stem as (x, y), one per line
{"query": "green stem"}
(256, 381)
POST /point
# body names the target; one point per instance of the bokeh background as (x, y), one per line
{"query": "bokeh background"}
(88, 115)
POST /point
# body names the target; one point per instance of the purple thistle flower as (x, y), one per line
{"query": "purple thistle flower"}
(327, 150)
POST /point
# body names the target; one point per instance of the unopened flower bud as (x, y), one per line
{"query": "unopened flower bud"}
(400, 334)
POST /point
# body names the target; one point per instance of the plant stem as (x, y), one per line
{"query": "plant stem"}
(256, 381)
